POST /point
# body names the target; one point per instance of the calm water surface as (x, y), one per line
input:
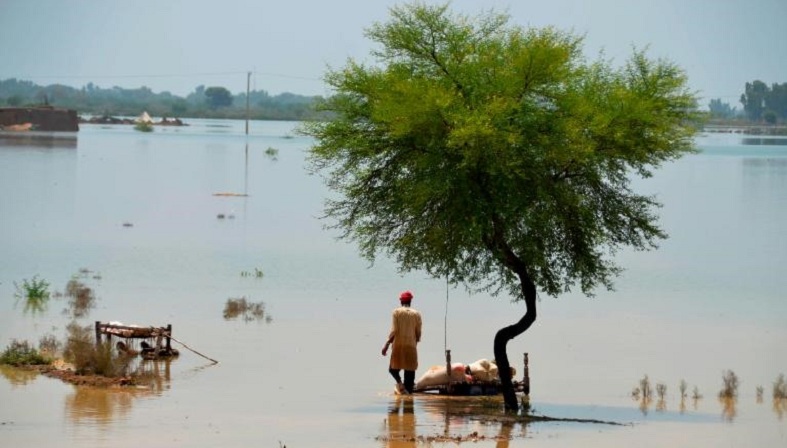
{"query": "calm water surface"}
(711, 298)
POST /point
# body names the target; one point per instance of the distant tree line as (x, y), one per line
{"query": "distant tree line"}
(761, 103)
(203, 102)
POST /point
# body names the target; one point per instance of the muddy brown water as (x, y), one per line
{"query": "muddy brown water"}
(710, 299)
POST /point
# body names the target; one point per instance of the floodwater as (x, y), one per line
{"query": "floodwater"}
(136, 217)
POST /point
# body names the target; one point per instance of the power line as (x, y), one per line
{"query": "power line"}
(159, 75)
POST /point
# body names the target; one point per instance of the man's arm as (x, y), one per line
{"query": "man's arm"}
(391, 336)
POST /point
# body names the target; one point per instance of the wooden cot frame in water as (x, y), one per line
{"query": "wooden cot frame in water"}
(159, 334)
(477, 387)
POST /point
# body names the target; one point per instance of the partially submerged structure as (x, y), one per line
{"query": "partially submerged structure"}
(478, 378)
(155, 344)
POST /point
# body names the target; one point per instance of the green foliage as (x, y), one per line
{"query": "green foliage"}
(482, 151)
(143, 127)
(218, 97)
(761, 102)
(14, 100)
(49, 346)
(91, 358)
(769, 117)
(718, 109)
(35, 293)
(21, 353)
(272, 153)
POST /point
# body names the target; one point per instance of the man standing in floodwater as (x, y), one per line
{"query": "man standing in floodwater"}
(405, 335)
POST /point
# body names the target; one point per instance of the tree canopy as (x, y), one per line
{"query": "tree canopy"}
(497, 156)
(760, 101)
(218, 97)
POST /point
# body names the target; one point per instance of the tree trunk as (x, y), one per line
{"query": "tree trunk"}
(497, 244)
(501, 357)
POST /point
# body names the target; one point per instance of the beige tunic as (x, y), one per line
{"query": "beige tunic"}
(405, 335)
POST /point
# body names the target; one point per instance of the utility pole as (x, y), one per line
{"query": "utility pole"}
(248, 80)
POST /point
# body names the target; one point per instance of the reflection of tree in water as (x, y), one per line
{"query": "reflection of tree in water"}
(99, 405)
(106, 405)
(780, 407)
(17, 376)
(644, 404)
(461, 418)
(728, 411)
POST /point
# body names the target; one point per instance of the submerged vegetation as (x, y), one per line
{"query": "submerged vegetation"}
(81, 299)
(256, 273)
(272, 153)
(780, 388)
(730, 385)
(143, 126)
(34, 293)
(247, 311)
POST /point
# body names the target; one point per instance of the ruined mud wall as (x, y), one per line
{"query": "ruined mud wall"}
(43, 118)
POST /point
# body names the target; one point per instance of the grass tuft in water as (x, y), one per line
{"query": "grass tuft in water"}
(272, 153)
(35, 293)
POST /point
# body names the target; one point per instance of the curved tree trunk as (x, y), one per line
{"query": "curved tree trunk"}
(497, 243)
(502, 337)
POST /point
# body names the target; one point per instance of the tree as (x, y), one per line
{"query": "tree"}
(496, 157)
(718, 109)
(753, 99)
(776, 100)
(218, 97)
(14, 100)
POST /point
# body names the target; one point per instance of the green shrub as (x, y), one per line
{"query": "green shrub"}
(49, 346)
(90, 358)
(35, 293)
(21, 353)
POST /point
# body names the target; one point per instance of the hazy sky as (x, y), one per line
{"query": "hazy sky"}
(176, 45)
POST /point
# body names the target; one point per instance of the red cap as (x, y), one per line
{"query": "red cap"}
(406, 296)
